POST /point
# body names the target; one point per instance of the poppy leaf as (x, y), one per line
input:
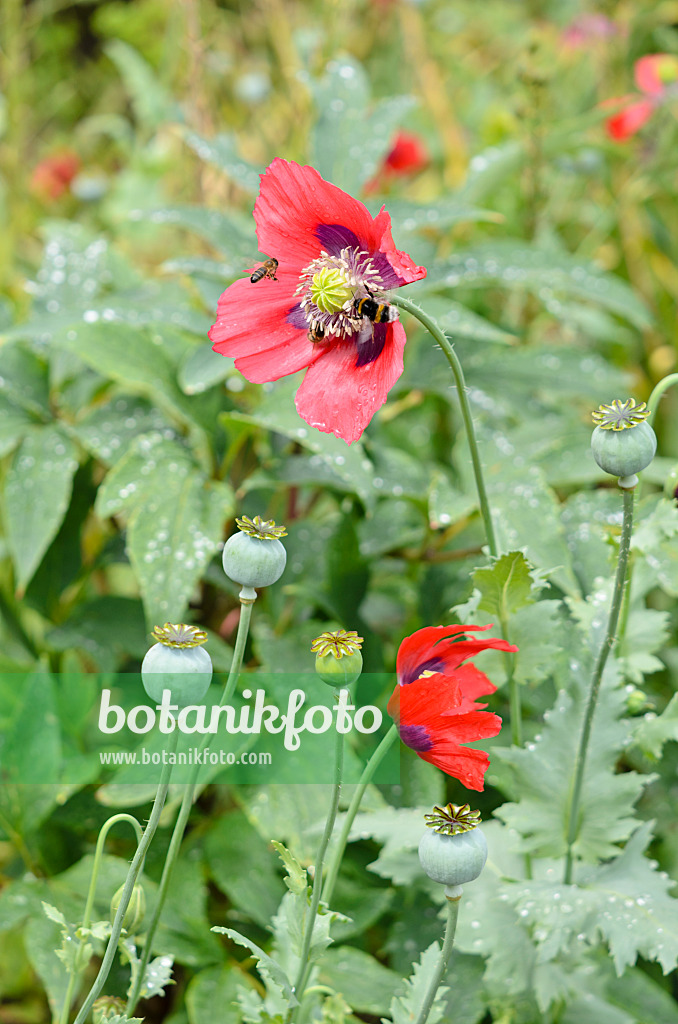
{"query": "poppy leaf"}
(506, 585)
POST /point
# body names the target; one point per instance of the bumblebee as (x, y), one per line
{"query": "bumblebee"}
(316, 334)
(377, 312)
(267, 269)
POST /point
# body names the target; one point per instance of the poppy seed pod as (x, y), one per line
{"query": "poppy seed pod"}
(623, 443)
(177, 662)
(453, 850)
(254, 557)
(338, 659)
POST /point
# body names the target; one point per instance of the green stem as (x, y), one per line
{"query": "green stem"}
(365, 779)
(441, 966)
(653, 401)
(596, 679)
(87, 916)
(513, 687)
(128, 887)
(185, 809)
(653, 404)
(453, 359)
(305, 963)
(98, 853)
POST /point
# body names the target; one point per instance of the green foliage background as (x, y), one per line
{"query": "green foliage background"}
(127, 447)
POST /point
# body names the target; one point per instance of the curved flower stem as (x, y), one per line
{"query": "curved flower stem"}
(653, 401)
(448, 943)
(305, 963)
(365, 779)
(87, 916)
(453, 359)
(186, 804)
(605, 648)
(134, 868)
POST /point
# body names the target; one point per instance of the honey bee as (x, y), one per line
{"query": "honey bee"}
(377, 312)
(267, 269)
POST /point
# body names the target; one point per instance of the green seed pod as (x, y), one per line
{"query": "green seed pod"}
(623, 443)
(338, 659)
(454, 851)
(136, 909)
(254, 557)
(177, 663)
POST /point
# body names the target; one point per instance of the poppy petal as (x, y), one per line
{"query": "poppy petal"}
(654, 72)
(630, 120)
(424, 702)
(340, 397)
(294, 201)
(442, 648)
(265, 345)
(463, 763)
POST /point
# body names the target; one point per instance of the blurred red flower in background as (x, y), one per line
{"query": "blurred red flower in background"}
(331, 254)
(656, 76)
(52, 176)
(407, 156)
(434, 706)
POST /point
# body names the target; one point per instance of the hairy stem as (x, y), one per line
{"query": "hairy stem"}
(185, 809)
(87, 916)
(305, 963)
(453, 359)
(573, 824)
(134, 868)
(365, 779)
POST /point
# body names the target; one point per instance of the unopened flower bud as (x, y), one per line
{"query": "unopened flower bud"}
(671, 484)
(623, 443)
(177, 662)
(637, 702)
(254, 557)
(338, 659)
(454, 850)
(135, 912)
(106, 1007)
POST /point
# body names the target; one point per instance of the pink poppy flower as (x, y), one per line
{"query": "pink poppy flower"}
(331, 254)
(656, 76)
(586, 29)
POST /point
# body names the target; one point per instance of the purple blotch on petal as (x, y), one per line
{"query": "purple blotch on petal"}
(432, 665)
(389, 278)
(415, 737)
(335, 237)
(297, 318)
(370, 350)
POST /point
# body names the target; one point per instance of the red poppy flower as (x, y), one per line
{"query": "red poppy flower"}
(331, 253)
(52, 176)
(434, 706)
(656, 76)
(407, 155)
